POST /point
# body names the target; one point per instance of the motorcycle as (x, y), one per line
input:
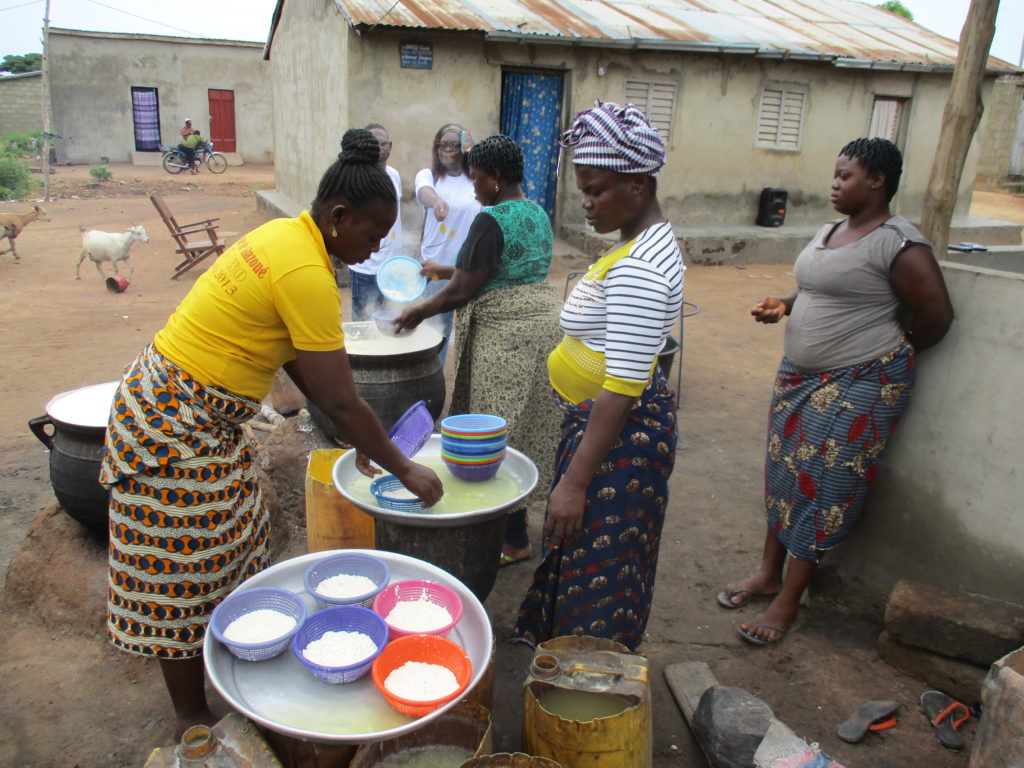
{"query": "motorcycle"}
(174, 160)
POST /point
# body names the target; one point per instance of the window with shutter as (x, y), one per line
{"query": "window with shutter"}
(780, 117)
(657, 100)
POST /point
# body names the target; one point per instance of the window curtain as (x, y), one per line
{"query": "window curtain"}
(531, 107)
(146, 115)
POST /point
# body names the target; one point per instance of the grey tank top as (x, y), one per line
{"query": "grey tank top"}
(845, 310)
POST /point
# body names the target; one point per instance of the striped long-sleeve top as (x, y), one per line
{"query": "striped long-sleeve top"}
(618, 316)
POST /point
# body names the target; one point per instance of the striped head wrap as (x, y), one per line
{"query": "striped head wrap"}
(618, 138)
(465, 140)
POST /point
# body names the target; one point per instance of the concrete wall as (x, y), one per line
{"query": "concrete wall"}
(21, 103)
(946, 507)
(714, 174)
(91, 76)
(998, 130)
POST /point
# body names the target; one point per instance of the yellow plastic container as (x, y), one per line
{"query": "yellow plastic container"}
(587, 704)
(332, 522)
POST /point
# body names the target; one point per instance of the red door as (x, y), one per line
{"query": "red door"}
(222, 120)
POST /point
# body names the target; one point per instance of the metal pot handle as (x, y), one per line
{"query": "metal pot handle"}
(38, 425)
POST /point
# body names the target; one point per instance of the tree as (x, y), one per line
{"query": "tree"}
(895, 6)
(17, 65)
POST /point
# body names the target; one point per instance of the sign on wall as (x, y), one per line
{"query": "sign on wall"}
(416, 55)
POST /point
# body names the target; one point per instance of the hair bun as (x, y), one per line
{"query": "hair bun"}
(359, 147)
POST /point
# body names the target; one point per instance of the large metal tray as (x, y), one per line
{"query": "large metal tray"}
(516, 464)
(282, 695)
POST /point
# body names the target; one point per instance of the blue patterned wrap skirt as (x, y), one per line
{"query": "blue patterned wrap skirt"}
(602, 583)
(827, 433)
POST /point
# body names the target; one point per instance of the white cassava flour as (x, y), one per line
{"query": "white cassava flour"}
(340, 649)
(418, 616)
(345, 585)
(417, 681)
(259, 626)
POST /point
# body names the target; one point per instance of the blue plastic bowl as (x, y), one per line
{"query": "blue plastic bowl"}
(399, 279)
(341, 618)
(246, 601)
(352, 564)
(472, 447)
(473, 424)
(382, 487)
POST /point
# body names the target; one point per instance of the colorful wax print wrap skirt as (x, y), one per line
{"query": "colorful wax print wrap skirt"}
(187, 520)
(602, 582)
(826, 436)
(502, 342)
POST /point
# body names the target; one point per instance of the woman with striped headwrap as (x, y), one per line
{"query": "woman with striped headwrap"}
(606, 509)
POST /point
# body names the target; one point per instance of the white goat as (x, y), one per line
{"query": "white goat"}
(11, 225)
(109, 246)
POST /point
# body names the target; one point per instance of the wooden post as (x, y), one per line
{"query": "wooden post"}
(960, 119)
(46, 102)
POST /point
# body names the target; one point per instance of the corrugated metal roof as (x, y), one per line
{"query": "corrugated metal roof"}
(846, 32)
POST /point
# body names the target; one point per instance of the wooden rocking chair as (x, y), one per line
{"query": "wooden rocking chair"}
(194, 250)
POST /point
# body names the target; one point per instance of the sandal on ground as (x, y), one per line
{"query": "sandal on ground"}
(946, 715)
(762, 642)
(746, 596)
(505, 560)
(866, 717)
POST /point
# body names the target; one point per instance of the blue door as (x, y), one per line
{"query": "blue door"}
(531, 111)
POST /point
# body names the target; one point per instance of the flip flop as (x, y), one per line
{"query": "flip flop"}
(753, 639)
(505, 560)
(746, 596)
(946, 715)
(865, 717)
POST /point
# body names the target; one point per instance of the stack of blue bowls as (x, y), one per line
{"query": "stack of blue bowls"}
(473, 445)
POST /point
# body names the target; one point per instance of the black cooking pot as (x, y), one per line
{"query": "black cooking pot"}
(391, 384)
(74, 429)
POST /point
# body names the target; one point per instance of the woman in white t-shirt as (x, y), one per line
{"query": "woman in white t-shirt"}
(450, 205)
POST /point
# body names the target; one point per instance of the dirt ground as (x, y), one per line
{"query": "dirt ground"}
(70, 699)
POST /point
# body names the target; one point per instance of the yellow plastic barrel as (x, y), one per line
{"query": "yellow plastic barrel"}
(587, 704)
(332, 522)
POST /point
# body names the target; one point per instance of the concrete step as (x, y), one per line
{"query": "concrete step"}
(750, 244)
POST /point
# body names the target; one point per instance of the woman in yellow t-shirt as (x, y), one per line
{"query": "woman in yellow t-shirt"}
(188, 522)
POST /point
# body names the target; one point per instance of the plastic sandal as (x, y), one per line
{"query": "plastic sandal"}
(865, 717)
(946, 715)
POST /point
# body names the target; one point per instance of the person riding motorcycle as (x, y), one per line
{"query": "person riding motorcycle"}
(188, 148)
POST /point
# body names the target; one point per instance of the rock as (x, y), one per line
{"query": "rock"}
(285, 397)
(1000, 739)
(960, 679)
(729, 724)
(59, 574)
(959, 625)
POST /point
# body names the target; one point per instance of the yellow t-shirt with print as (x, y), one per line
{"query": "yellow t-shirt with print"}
(576, 371)
(269, 294)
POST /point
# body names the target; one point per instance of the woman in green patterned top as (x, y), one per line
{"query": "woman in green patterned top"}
(507, 322)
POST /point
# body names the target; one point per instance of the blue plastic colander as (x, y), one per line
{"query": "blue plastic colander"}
(399, 279)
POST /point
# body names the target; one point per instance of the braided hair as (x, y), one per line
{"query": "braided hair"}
(878, 156)
(435, 161)
(355, 176)
(498, 156)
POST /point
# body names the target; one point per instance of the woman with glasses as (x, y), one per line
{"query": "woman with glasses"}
(450, 205)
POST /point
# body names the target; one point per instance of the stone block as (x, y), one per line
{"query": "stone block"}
(960, 679)
(729, 724)
(1000, 739)
(959, 625)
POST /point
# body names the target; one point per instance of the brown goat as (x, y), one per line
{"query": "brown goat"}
(11, 225)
